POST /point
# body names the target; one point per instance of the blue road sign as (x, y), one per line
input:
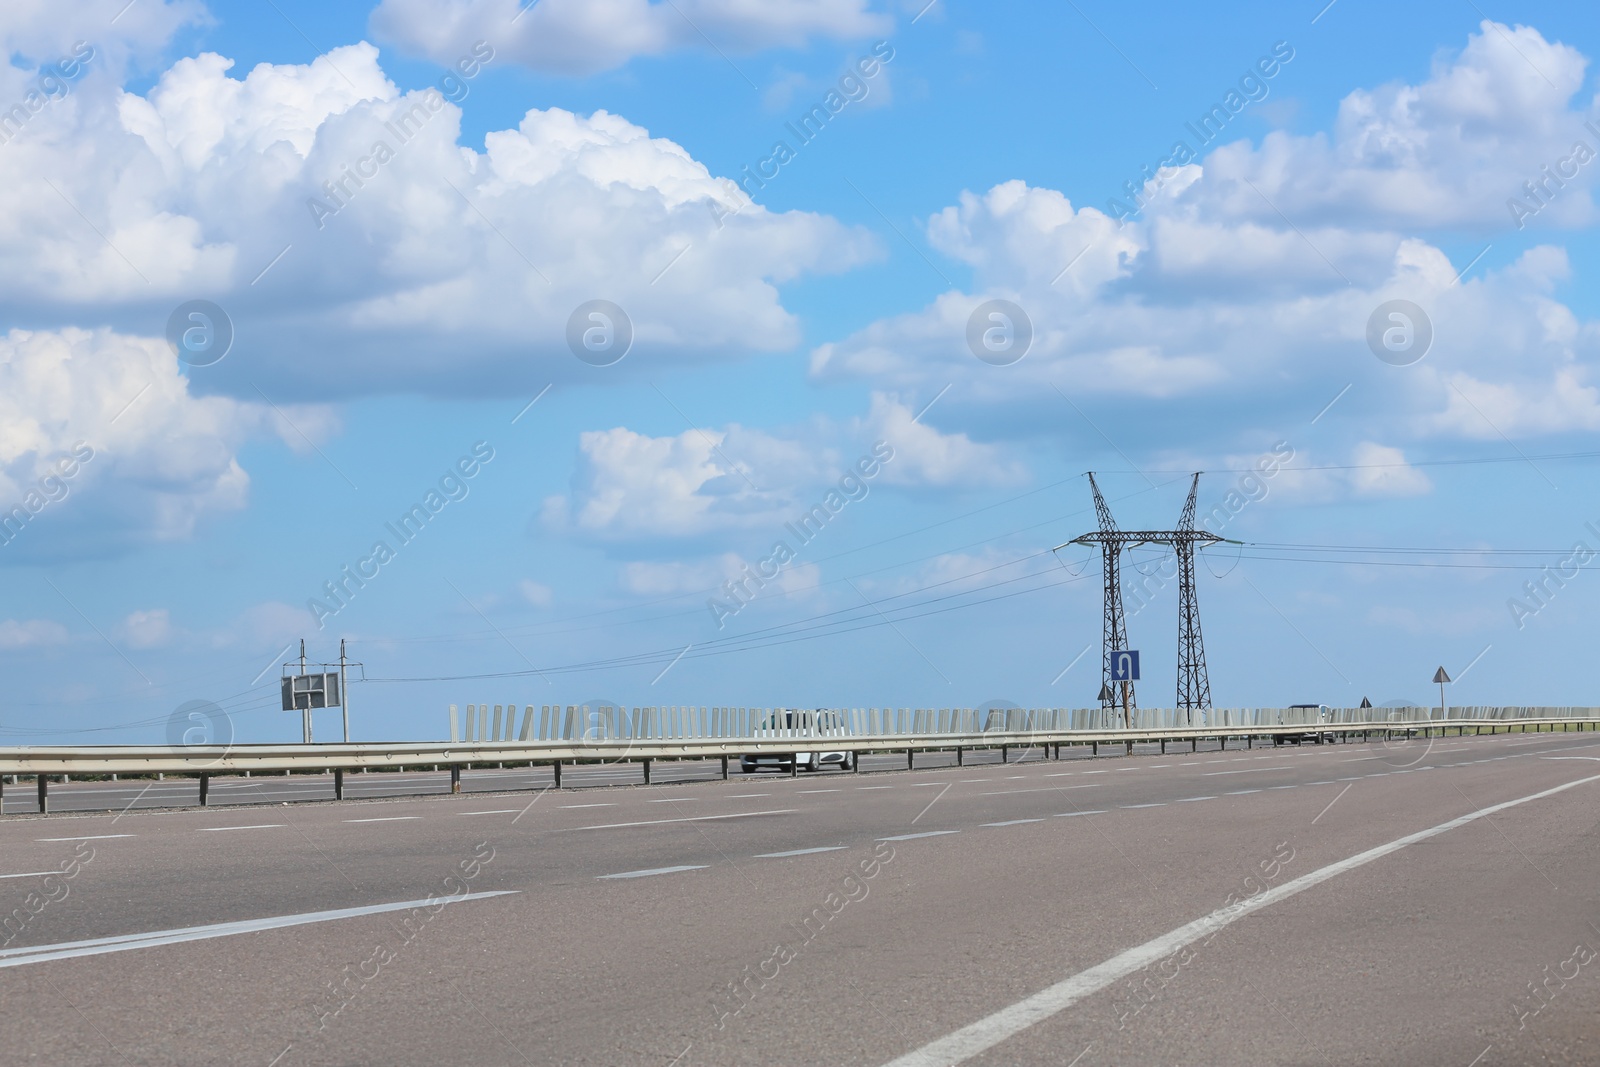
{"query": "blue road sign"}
(1125, 666)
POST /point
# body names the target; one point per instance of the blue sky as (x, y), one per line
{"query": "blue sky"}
(385, 329)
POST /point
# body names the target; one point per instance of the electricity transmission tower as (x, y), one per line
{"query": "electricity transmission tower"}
(1194, 688)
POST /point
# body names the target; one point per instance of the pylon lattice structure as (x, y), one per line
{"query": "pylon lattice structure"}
(1194, 688)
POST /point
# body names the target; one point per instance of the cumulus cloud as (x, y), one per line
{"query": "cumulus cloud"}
(102, 442)
(1212, 307)
(586, 36)
(146, 629)
(30, 633)
(630, 486)
(360, 247)
(1448, 152)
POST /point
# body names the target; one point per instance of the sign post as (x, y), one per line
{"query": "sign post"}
(1125, 669)
(1440, 677)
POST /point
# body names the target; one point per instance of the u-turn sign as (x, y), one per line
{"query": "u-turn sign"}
(1125, 665)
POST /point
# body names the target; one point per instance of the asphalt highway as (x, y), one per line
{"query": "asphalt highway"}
(1417, 903)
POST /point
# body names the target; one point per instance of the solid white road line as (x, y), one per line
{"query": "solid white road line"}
(89, 837)
(16, 957)
(387, 818)
(29, 874)
(661, 822)
(913, 837)
(569, 807)
(751, 796)
(1191, 800)
(984, 1034)
(653, 870)
(800, 852)
(496, 811)
(257, 826)
(1070, 814)
(1012, 822)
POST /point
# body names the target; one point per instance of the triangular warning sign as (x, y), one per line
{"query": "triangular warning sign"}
(1439, 677)
(1366, 703)
(1105, 693)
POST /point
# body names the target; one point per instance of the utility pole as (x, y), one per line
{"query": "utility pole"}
(1115, 627)
(344, 693)
(305, 714)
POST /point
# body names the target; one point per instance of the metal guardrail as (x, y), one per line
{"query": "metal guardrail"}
(1036, 730)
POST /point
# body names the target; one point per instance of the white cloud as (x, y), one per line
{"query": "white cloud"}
(630, 486)
(1214, 307)
(146, 629)
(585, 36)
(536, 593)
(31, 633)
(925, 457)
(1383, 471)
(101, 432)
(1449, 151)
(425, 264)
(653, 579)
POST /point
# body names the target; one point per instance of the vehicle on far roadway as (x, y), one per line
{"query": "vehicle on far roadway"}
(820, 726)
(1324, 714)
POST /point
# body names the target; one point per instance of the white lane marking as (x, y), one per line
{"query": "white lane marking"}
(1041, 789)
(29, 874)
(257, 826)
(1063, 774)
(497, 811)
(16, 957)
(569, 807)
(866, 787)
(90, 837)
(1190, 800)
(1283, 787)
(806, 792)
(1241, 792)
(1244, 770)
(1070, 814)
(1012, 822)
(970, 1040)
(748, 796)
(969, 781)
(1162, 805)
(673, 800)
(653, 870)
(387, 818)
(800, 852)
(913, 837)
(687, 818)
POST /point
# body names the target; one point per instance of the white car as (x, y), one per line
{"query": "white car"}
(813, 726)
(1324, 715)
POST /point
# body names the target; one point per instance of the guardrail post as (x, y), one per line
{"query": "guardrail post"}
(558, 773)
(958, 756)
(1002, 754)
(44, 794)
(1163, 746)
(724, 768)
(455, 777)
(205, 788)
(338, 783)
(1094, 748)
(909, 754)
(646, 772)
(855, 763)
(1249, 740)
(1194, 744)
